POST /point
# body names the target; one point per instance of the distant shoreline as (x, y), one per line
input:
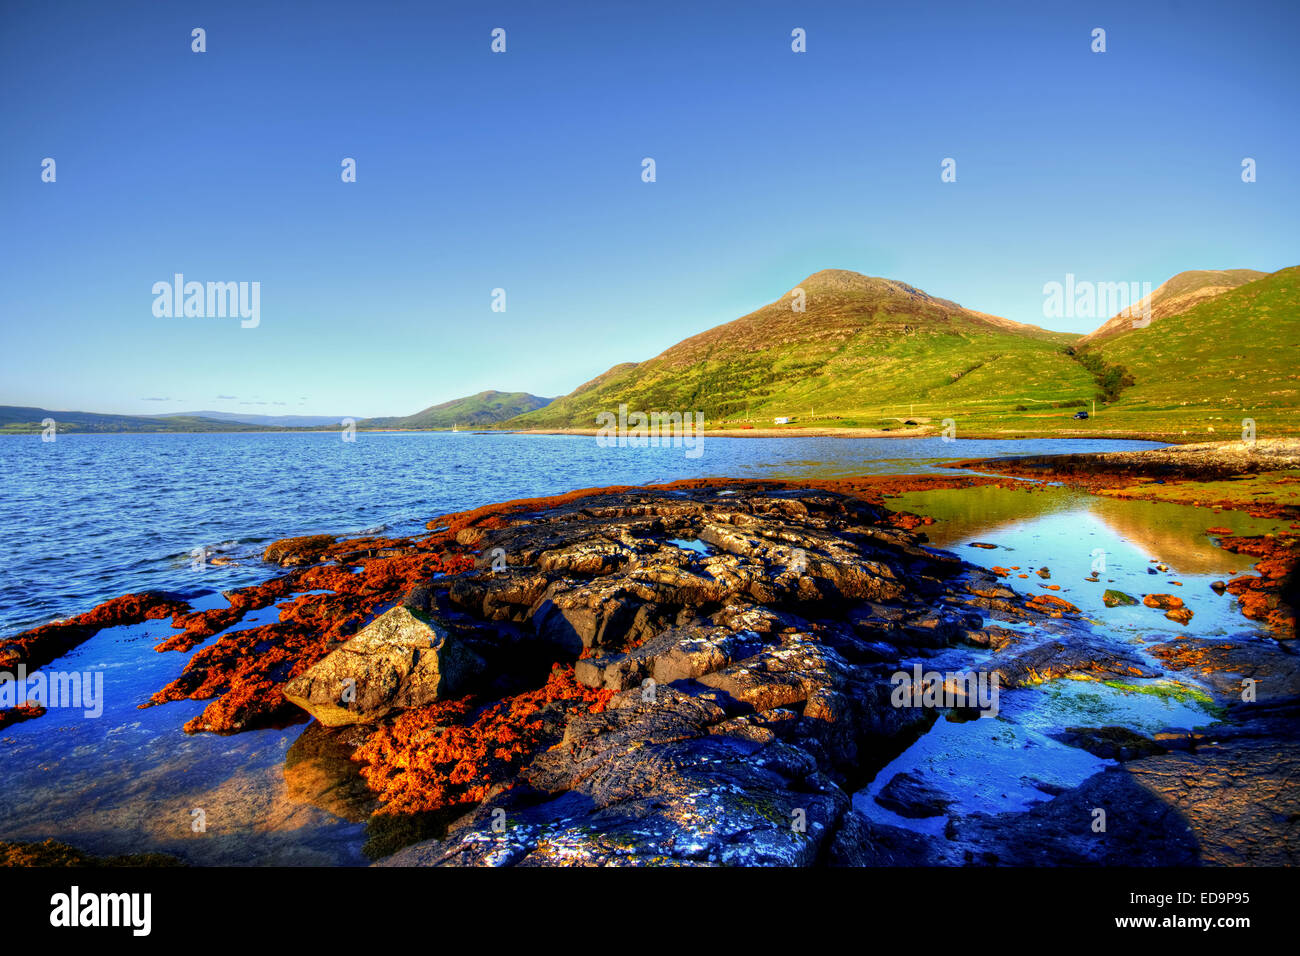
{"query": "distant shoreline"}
(833, 432)
(792, 432)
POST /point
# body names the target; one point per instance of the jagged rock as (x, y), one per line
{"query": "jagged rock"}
(1225, 664)
(750, 680)
(297, 552)
(715, 800)
(1081, 655)
(861, 842)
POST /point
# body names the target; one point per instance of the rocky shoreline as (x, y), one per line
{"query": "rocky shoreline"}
(1198, 461)
(702, 673)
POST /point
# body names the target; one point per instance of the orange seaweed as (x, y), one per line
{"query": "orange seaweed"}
(242, 671)
(41, 645)
(430, 759)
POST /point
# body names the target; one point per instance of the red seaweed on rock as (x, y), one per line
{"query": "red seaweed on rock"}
(431, 759)
(243, 670)
(41, 645)
(1269, 596)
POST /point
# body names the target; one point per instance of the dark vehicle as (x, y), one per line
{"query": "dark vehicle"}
(1080, 414)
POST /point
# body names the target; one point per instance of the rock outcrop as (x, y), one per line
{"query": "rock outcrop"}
(401, 660)
(747, 644)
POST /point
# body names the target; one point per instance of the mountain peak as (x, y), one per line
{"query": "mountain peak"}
(900, 296)
(845, 280)
(1176, 296)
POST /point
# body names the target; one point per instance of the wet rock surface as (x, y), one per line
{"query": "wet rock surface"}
(910, 795)
(751, 696)
(749, 643)
(1225, 797)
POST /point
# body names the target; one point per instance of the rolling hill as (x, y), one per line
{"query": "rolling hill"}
(473, 411)
(485, 408)
(1198, 372)
(1175, 297)
(867, 352)
(26, 420)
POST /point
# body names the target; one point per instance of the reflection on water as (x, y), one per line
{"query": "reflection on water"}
(1011, 762)
(1067, 532)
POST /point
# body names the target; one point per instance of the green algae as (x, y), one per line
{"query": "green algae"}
(1170, 691)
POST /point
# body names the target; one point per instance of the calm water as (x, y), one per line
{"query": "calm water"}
(88, 517)
(1000, 765)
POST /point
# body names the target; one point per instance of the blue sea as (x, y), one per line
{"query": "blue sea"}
(88, 517)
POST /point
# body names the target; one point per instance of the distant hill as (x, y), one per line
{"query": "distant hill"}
(866, 352)
(1222, 359)
(20, 419)
(277, 421)
(1176, 296)
(877, 353)
(473, 411)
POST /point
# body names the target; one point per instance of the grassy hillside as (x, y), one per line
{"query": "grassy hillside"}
(867, 352)
(485, 408)
(1174, 297)
(1197, 374)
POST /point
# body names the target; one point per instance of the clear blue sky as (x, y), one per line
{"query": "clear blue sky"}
(523, 171)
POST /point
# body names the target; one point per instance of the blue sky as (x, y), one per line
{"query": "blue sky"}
(523, 171)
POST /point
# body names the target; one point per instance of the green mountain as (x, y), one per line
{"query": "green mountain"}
(865, 351)
(25, 420)
(1198, 372)
(1175, 297)
(473, 411)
